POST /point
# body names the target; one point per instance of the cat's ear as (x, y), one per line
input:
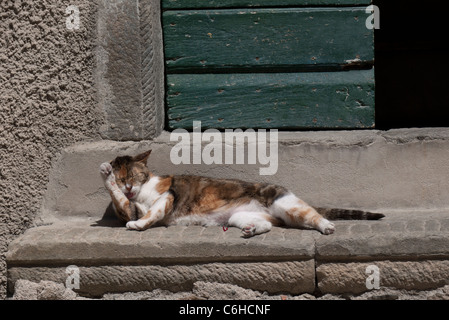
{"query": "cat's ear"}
(143, 157)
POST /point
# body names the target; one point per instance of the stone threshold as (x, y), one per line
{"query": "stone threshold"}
(368, 170)
(410, 250)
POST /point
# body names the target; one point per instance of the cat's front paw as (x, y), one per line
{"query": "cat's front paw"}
(105, 169)
(136, 225)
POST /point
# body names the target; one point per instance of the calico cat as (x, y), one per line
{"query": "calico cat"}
(144, 200)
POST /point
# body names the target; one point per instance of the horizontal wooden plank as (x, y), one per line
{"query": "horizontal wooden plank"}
(286, 100)
(226, 39)
(184, 4)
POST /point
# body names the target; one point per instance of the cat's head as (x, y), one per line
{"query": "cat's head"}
(131, 173)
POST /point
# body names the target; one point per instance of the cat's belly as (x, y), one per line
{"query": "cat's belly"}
(210, 219)
(219, 217)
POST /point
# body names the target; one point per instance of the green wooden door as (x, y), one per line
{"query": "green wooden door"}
(269, 64)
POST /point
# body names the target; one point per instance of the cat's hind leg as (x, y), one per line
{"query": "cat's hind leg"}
(296, 213)
(251, 223)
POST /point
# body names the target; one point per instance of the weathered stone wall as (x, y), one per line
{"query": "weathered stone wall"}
(47, 102)
(202, 290)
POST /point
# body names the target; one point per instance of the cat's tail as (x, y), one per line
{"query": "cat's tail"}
(348, 214)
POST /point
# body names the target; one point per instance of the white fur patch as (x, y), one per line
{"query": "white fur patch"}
(288, 201)
(280, 206)
(326, 227)
(198, 220)
(220, 217)
(250, 222)
(148, 194)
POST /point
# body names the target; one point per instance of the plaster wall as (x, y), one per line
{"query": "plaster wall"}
(47, 102)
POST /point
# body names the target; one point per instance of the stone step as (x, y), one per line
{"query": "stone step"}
(410, 250)
(369, 170)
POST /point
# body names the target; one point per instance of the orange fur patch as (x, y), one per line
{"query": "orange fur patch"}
(315, 218)
(124, 203)
(146, 215)
(169, 204)
(274, 221)
(209, 201)
(299, 216)
(296, 215)
(164, 185)
(122, 172)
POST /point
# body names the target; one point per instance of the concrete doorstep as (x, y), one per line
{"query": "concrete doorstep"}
(407, 251)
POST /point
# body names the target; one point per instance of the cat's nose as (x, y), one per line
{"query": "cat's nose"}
(128, 187)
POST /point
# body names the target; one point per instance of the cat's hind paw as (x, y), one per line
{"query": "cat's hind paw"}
(327, 227)
(105, 169)
(249, 231)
